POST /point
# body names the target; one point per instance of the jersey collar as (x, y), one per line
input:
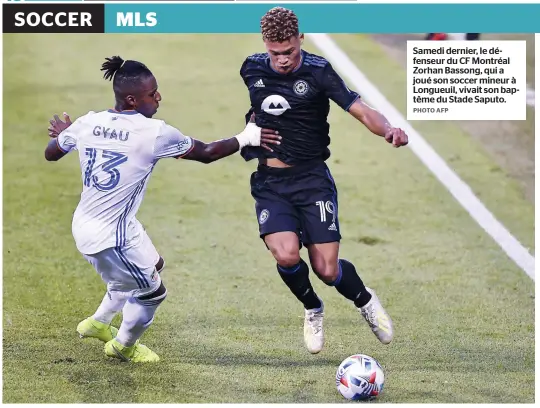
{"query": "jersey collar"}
(124, 112)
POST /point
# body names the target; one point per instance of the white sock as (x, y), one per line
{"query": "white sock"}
(110, 306)
(136, 319)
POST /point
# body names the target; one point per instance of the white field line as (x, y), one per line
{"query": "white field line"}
(530, 97)
(457, 187)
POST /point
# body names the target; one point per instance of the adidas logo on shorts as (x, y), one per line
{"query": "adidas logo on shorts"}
(332, 227)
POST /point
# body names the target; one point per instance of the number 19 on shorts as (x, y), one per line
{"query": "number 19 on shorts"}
(326, 207)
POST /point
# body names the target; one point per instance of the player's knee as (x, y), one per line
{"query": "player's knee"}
(326, 271)
(160, 265)
(287, 259)
(285, 248)
(287, 256)
(154, 298)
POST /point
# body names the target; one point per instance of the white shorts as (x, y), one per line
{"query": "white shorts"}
(130, 269)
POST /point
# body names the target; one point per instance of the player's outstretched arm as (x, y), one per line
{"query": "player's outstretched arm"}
(335, 89)
(252, 135)
(377, 123)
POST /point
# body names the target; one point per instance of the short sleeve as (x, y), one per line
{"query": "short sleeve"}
(336, 90)
(172, 143)
(67, 140)
(243, 72)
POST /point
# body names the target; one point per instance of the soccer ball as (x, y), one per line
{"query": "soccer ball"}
(360, 377)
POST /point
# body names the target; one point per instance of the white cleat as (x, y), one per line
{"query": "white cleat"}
(377, 318)
(313, 330)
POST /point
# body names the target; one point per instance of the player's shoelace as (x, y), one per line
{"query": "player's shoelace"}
(315, 322)
(370, 315)
(376, 320)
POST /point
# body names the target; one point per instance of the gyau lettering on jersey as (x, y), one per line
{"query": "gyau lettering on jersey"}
(110, 133)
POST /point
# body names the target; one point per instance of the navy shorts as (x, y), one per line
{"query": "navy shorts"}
(302, 199)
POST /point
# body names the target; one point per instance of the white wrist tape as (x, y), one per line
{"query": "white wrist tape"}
(250, 136)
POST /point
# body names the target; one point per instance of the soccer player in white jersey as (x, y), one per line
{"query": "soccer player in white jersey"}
(118, 149)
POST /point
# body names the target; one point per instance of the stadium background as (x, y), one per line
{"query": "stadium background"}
(229, 330)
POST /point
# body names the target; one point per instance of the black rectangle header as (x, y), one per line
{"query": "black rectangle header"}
(53, 18)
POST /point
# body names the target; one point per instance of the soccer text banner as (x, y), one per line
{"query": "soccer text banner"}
(26, 17)
(53, 18)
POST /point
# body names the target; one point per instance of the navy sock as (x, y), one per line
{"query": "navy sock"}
(297, 279)
(349, 284)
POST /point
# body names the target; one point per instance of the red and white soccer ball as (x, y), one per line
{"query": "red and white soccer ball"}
(360, 377)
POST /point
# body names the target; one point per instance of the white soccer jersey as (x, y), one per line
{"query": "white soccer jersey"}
(117, 152)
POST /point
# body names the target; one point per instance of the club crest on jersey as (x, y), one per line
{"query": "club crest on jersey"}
(184, 144)
(300, 87)
(264, 216)
(275, 105)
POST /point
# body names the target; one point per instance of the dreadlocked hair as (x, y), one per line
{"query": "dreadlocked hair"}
(279, 24)
(124, 72)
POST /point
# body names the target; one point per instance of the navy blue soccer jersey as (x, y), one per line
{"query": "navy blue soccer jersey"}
(296, 104)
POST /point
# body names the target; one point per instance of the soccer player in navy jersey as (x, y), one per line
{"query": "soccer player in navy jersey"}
(295, 195)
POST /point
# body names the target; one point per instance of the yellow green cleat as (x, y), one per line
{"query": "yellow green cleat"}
(94, 329)
(138, 353)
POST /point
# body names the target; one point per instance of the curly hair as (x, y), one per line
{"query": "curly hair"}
(279, 24)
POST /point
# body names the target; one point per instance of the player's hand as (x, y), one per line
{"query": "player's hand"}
(269, 136)
(253, 135)
(397, 137)
(57, 126)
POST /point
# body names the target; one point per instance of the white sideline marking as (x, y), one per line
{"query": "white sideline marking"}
(459, 189)
(530, 97)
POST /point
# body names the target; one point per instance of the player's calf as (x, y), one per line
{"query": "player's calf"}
(138, 315)
(351, 286)
(342, 275)
(295, 274)
(348, 283)
(291, 268)
(296, 278)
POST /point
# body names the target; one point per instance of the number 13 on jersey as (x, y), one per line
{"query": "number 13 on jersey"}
(114, 159)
